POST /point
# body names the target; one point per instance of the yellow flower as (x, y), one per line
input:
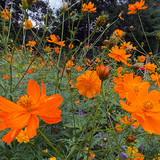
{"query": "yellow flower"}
(22, 136)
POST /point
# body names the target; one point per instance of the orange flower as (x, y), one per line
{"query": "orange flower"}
(92, 155)
(88, 60)
(69, 64)
(72, 57)
(6, 77)
(127, 46)
(29, 71)
(102, 72)
(119, 79)
(145, 108)
(119, 69)
(6, 14)
(156, 77)
(28, 24)
(150, 67)
(22, 136)
(78, 68)
(102, 47)
(24, 113)
(118, 129)
(89, 7)
(127, 83)
(55, 40)
(52, 158)
(129, 121)
(138, 156)
(142, 58)
(97, 60)
(77, 101)
(70, 45)
(119, 54)
(87, 46)
(31, 43)
(88, 84)
(118, 34)
(135, 7)
(47, 49)
(56, 49)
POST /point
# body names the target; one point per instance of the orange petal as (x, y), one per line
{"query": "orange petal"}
(33, 90)
(10, 135)
(42, 89)
(8, 106)
(16, 120)
(32, 125)
(53, 102)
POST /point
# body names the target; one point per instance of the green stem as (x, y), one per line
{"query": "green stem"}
(157, 46)
(50, 143)
(88, 27)
(90, 141)
(144, 32)
(138, 42)
(59, 57)
(23, 75)
(71, 99)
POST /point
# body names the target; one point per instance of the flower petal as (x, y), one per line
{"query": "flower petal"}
(33, 124)
(33, 90)
(10, 135)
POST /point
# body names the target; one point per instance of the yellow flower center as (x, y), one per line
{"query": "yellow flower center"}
(25, 102)
(137, 89)
(147, 105)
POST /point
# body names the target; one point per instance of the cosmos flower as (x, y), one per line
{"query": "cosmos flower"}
(28, 24)
(135, 7)
(24, 113)
(89, 7)
(118, 54)
(145, 108)
(88, 84)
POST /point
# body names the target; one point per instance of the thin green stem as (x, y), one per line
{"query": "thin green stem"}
(157, 46)
(144, 32)
(71, 99)
(88, 27)
(138, 42)
(59, 57)
(50, 143)
(94, 122)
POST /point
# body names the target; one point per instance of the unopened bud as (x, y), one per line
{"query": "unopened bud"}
(131, 28)
(130, 138)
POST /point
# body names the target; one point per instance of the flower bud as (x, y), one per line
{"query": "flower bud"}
(158, 36)
(64, 7)
(105, 140)
(138, 65)
(130, 138)
(24, 4)
(100, 21)
(131, 28)
(106, 42)
(68, 70)
(102, 72)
